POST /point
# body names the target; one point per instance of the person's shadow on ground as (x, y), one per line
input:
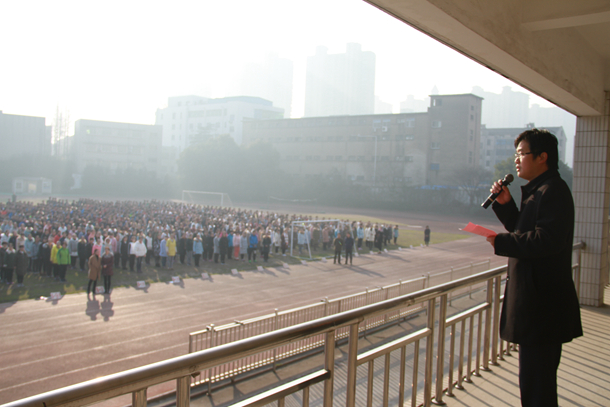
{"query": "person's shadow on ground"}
(93, 307)
(107, 310)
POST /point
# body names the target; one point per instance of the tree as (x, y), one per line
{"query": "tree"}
(473, 181)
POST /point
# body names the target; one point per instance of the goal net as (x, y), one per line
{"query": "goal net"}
(205, 198)
(306, 228)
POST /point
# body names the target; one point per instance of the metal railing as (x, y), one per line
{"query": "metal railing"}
(214, 336)
(137, 381)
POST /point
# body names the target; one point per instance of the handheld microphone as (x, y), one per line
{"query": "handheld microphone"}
(508, 178)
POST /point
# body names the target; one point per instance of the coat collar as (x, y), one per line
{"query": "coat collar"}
(531, 186)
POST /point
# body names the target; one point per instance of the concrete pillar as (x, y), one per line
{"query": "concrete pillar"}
(591, 189)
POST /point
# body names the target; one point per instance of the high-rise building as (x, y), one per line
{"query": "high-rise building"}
(412, 105)
(271, 80)
(382, 107)
(340, 84)
(507, 109)
(189, 120)
(23, 135)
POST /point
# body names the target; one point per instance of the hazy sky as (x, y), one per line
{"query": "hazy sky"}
(121, 60)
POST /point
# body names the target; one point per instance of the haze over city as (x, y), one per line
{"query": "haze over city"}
(120, 61)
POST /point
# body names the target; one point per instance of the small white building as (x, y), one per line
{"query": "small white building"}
(120, 146)
(32, 186)
(188, 120)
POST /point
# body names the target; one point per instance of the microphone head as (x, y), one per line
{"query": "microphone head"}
(509, 178)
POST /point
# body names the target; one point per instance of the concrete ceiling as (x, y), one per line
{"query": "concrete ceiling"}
(558, 49)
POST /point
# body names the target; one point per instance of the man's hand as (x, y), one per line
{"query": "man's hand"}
(492, 240)
(504, 196)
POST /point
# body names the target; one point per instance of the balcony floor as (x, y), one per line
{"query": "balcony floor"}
(583, 377)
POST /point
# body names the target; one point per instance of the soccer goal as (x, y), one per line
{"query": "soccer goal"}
(306, 225)
(205, 198)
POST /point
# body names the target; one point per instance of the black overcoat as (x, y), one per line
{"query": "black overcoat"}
(540, 301)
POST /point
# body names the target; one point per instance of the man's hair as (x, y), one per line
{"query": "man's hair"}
(541, 141)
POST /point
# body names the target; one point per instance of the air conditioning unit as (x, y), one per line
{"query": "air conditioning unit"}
(384, 128)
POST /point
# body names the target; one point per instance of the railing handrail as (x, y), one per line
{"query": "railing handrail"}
(145, 376)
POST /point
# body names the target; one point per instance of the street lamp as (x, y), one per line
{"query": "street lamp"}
(375, 158)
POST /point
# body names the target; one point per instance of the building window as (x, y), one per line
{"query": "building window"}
(435, 145)
(471, 117)
(436, 124)
(437, 102)
(361, 158)
(338, 158)
(308, 158)
(351, 158)
(434, 167)
(329, 158)
(409, 158)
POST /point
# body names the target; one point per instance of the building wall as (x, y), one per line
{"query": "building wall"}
(23, 135)
(119, 146)
(497, 145)
(188, 120)
(411, 148)
(455, 129)
(340, 84)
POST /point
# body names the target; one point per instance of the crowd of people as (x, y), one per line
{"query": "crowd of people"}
(100, 236)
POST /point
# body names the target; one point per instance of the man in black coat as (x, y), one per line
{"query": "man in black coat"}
(541, 309)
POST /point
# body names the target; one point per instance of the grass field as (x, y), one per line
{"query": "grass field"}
(407, 236)
(36, 286)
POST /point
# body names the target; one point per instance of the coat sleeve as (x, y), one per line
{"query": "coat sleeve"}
(508, 214)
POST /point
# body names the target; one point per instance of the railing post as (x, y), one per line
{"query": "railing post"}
(429, 354)
(275, 325)
(451, 360)
(486, 339)
(352, 366)
(451, 293)
(496, 321)
(325, 300)
(401, 380)
(138, 398)
(183, 391)
(329, 364)
(366, 303)
(440, 355)
(211, 370)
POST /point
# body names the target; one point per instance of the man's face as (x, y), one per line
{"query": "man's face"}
(529, 167)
